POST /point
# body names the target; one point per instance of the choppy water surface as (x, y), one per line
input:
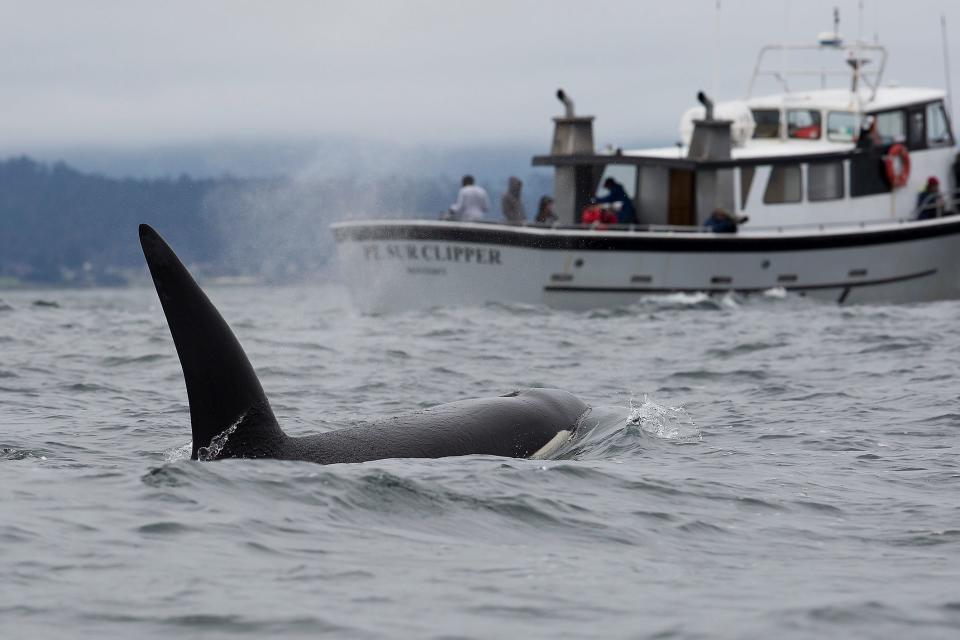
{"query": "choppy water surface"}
(751, 468)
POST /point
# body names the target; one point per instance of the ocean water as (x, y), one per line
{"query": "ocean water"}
(751, 468)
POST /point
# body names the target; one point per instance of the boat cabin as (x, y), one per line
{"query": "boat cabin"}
(823, 156)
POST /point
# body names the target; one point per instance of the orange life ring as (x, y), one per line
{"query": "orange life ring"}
(895, 152)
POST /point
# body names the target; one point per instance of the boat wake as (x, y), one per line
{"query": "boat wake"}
(611, 432)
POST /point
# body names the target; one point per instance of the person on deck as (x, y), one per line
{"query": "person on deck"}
(930, 200)
(616, 193)
(511, 204)
(956, 180)
(472, 201)
(868, 138)
(545, 214)
(722, 222)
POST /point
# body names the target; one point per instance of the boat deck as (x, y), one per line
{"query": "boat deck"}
(745, 230)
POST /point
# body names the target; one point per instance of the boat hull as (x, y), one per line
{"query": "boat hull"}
(391, 265)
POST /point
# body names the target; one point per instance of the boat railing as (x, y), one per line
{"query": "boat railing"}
(945, 205)
(853, 61)
(668, 229)
(937, 205)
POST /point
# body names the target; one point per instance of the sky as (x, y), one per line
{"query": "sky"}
(140, 77)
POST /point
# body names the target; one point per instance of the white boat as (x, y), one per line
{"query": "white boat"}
(829, 179)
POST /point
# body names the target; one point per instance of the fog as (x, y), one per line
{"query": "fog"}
(106, 77)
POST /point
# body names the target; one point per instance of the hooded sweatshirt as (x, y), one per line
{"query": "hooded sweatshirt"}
(511, 204)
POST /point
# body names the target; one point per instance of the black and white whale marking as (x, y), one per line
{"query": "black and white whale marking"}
(231, 417)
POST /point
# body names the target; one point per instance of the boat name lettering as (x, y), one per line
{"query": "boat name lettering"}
(432, 253)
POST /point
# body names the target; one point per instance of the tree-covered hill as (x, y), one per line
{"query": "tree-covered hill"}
(59, 225)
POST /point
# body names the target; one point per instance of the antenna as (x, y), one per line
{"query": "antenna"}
(946, 63)
(783, 48)
(859, 21)
(876, 22)
(716, 51)
(858, 57)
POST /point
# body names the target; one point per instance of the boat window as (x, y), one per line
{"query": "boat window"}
(841, 126)
(624, 174)
(824, 181)
(866, 176)
(803, 123)
(746, 181)
(938, 131)
(784, 185)
(917, 133)
(890, 127)
(768, 123)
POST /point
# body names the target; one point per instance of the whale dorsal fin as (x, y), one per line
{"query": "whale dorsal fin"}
(222, 387)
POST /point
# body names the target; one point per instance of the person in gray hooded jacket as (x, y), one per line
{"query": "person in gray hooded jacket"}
(511, 203)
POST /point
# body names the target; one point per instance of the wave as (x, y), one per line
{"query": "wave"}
(612, 432)
(9, 454)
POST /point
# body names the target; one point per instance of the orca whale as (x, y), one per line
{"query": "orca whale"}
(231, 416)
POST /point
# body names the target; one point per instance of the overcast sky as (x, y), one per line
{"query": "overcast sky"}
(136, 74)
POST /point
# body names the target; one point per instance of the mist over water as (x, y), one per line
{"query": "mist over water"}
(761, 467)
(278, 229)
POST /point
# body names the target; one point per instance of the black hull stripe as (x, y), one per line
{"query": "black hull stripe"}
(659, 242)
(804, 287)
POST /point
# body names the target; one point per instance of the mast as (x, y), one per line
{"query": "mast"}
(716, 51)
(946, 63)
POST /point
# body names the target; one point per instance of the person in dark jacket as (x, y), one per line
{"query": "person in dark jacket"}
(930, 201)
(722, 222)
(617, 194)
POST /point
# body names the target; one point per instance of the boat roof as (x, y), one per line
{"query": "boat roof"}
(845, 100)
(821, 100)
(753, 149)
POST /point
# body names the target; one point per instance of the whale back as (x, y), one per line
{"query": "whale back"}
(222, 387)
(531, 423)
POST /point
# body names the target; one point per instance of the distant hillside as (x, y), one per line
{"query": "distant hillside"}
(58, 225)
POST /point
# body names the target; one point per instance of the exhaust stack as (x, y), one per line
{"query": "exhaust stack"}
(707, 104)
(567, 103)
(711, 138)
(574, 184)
(572, 134)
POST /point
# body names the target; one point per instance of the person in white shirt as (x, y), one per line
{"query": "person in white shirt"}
(472, 202)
